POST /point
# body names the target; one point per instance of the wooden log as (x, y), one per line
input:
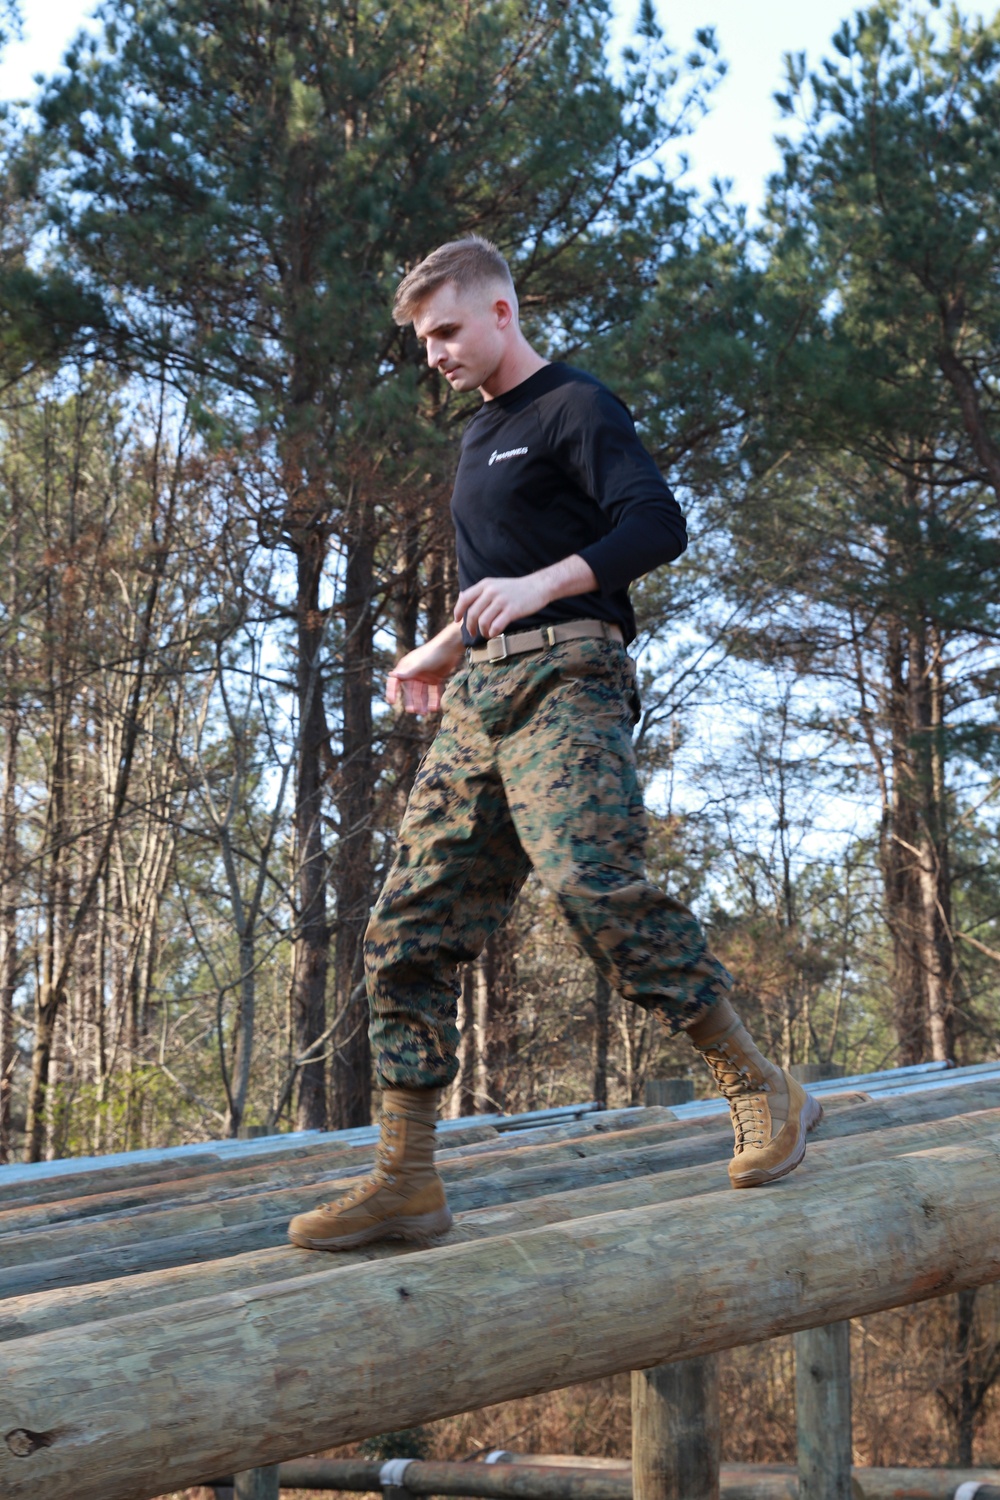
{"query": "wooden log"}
(251, 1221)
(534, 1169)
(823, 1411)
(676, 1434)
(316, 1165)
(167, 1271)
(55, 1186)
(320, 1171)
(70, 1184)
(214, 1198)
(114, 1411)
(65, 1293)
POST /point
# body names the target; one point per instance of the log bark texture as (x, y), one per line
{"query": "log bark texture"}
(117, 1411)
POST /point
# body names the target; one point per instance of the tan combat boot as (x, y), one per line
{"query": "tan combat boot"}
(770, 1111)
(402, 1199)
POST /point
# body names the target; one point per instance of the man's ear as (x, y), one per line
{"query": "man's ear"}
(503, 311)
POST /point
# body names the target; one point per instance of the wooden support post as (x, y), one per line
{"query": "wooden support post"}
(675, 1431)
(667, 1091)
(823, 1382)
(257, 1484)
(823, 1411)
(392, 1479)
(816, 1072)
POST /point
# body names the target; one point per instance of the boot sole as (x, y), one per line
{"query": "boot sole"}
(418, 1229)
(761, 1176)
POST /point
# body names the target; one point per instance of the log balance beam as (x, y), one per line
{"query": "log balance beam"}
(128, 1405)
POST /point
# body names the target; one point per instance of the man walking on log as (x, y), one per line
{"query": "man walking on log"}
(557, 509)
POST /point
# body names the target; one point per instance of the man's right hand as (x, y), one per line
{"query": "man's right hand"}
(416, 679)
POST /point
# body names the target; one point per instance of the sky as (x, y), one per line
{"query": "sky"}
(735, 141)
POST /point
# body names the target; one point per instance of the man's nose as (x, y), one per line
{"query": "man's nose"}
(435, 352)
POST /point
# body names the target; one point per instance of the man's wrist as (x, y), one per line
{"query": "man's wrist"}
(450, 640)
(570, 576)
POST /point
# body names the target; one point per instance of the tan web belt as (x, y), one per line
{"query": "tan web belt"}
(502, 646)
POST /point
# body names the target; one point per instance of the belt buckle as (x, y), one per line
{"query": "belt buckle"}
(500, 653)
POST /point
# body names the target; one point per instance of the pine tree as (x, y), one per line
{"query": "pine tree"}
(244, 182)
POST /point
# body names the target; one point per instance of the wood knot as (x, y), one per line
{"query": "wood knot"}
(23, 1443)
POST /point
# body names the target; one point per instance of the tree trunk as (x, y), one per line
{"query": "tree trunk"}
(501, 1015)
(50, 994)
(483, 1103)
(602, 1037)
(897, 852)
(410, 733)
(467, 1046)
(46, 1012)
(8, 911)
(239, 1083)
(935, 865)
(496, 1022)
(967, 1407)
(312, 935)
(351, 1089)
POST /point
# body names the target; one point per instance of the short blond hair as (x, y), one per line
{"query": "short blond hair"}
(472, 261)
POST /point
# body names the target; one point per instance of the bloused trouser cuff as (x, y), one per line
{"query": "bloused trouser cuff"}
(532, 767)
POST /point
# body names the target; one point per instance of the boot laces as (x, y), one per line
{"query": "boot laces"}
(381, 1173)
(744, 1093)
(749, 1120)
(733, 1078)
(385, 1151)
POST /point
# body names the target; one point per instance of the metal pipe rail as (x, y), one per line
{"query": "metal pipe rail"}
(533, 1477)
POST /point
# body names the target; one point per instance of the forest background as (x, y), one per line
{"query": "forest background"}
(224, 482)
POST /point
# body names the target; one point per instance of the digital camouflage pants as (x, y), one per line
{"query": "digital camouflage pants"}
(532, 767)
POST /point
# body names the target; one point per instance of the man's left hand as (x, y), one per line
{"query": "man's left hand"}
(492, 604)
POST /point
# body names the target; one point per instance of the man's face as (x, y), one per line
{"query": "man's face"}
(464, 332)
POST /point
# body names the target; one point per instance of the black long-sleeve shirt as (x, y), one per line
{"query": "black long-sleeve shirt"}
(552, 468)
